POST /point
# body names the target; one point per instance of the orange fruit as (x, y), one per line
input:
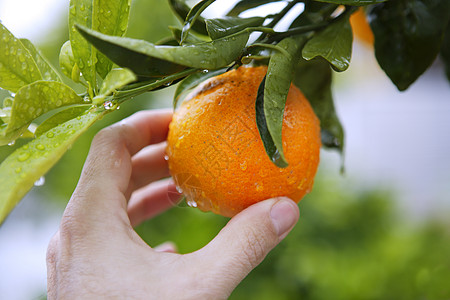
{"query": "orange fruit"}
(215, 152)
(361, 28)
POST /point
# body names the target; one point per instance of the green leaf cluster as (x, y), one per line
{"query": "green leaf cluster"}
(41, 107)
(408, 37)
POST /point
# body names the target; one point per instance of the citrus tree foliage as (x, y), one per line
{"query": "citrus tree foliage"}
(111, 68)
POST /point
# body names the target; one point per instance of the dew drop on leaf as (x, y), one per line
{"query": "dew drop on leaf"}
(108, 105)
(23, 157)
(40, 181)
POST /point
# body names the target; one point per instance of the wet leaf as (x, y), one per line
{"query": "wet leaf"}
(110, 17)
(182, 10)
(61, 117)
(280, 73)
(17, 66)
(164, 60)
(244, 5)
(48, 72)
(408, 37)
(116, 79)
(221, 27)
(20, 170)
(34, 100)
(81, 12)
(266, 138)
(334, 43)
(67, 62)
(141, 87)
(189, 40)
(192, 81)
(121, 51)
(192, 17)
(314, 79)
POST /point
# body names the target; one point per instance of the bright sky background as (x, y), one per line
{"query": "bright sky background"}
(31, 19)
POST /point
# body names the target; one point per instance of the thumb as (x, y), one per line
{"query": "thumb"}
(246, 240)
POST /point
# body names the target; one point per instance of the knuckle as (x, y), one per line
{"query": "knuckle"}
(104, 135)
(71, 228)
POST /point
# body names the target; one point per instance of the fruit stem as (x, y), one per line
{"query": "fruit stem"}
(281, 14)
(269, 46)
(122, 96)
(278, 36)
(277, 19)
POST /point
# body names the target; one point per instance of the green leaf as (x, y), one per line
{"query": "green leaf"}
(121, 51)
(353, 2)
(314, 79)
(182, 10)
(334, 43)
(5, 112)
(110, 17)
(116, 79)
(192, 17)
(207, 55)
(34, 100)
(136, 89)
(48, 72)
(192, 81)
(280, 72)
(23, 167)
(445, 51)
(106, 16)
(190, 38)
(261, 122)
(408, 37)
(17, 66)
(67, 62)
(221, 27)
(81, 12)
(61, 117)
(244, 5)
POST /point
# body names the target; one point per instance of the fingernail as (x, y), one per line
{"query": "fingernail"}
(284, 215)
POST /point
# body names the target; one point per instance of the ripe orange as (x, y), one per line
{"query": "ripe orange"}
(217, 157)
(361, 28)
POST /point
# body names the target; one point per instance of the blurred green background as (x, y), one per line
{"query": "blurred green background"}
(350, 243)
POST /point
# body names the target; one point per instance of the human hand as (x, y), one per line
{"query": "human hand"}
(97, 254)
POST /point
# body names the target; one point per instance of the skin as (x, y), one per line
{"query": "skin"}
(96, 254)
